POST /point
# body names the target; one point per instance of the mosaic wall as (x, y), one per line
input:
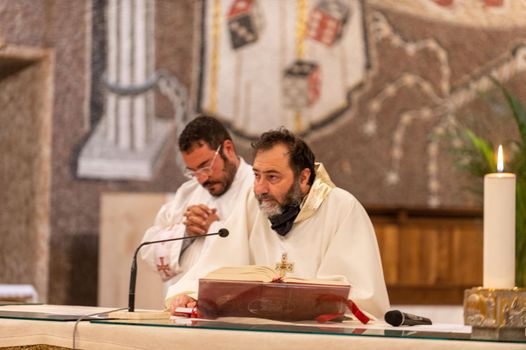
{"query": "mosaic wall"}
(375, 85)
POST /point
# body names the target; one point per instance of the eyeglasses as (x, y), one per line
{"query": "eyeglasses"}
(205, 170)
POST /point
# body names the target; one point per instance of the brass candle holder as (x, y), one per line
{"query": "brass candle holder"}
(496, 313)
(495, 308)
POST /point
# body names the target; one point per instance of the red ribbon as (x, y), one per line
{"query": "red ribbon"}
(357, 312)
(354, 309)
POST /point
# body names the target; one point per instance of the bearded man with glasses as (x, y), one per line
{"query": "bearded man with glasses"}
(219, 180)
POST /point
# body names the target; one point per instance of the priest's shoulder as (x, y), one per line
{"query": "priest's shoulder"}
(340, 197)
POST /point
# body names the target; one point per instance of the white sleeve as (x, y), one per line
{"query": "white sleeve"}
(218, 252)
(164, 257)
(191, 254)
(353, 256)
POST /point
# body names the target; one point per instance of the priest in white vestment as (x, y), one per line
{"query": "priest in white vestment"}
(324, 230)
(219, 180)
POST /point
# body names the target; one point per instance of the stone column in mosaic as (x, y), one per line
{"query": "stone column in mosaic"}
(126, 144)
(130, 63)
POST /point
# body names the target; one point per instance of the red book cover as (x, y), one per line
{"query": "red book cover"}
(284, 301)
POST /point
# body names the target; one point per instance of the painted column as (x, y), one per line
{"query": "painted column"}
(131, 64)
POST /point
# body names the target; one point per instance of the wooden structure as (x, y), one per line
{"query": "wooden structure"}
(429, 257)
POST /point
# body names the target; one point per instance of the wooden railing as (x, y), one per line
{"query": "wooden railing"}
(429, 257)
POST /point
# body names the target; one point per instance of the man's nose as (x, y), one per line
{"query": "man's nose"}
(260, 187)
(202, 177)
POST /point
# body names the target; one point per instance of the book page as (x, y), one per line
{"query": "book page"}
(244, 273)
(314, 281)
(262, 274)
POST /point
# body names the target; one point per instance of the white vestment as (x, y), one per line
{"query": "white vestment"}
(166, 258)
(332, 238)
(230, 251)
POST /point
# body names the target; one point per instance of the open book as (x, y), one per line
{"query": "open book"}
(258, 273)
(257, 291)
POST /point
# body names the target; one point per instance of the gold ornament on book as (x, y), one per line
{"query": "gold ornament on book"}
(284, 266)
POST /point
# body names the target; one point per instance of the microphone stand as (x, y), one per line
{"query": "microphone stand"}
(133, 272)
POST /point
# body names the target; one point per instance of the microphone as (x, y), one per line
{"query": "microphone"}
(398, 318)
(133, 272)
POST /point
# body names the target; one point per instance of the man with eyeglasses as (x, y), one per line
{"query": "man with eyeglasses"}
(219, 180)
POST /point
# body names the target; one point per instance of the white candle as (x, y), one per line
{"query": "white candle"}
(499, 228)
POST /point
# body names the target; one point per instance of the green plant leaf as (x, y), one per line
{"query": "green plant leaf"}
(485, 148)
(519, 113)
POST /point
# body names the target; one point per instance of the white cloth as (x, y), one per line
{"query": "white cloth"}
(166, 258)
(336, 242)
(232, 251)
(332, 238)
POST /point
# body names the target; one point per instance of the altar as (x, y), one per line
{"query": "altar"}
(23, 325)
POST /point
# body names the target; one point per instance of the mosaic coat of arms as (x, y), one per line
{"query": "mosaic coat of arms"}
(292, 63)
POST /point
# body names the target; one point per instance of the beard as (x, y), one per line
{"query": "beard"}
(229, 172)
(270, 205)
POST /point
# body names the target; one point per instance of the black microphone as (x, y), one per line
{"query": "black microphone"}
(398, 318)
(133, 272)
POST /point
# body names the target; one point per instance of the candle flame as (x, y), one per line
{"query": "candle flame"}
(500, 160)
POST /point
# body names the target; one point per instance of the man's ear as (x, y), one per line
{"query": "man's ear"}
(228, 149)
(304, 180)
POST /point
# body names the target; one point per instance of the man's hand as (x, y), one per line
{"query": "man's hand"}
(181, 300)
(198, 219)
